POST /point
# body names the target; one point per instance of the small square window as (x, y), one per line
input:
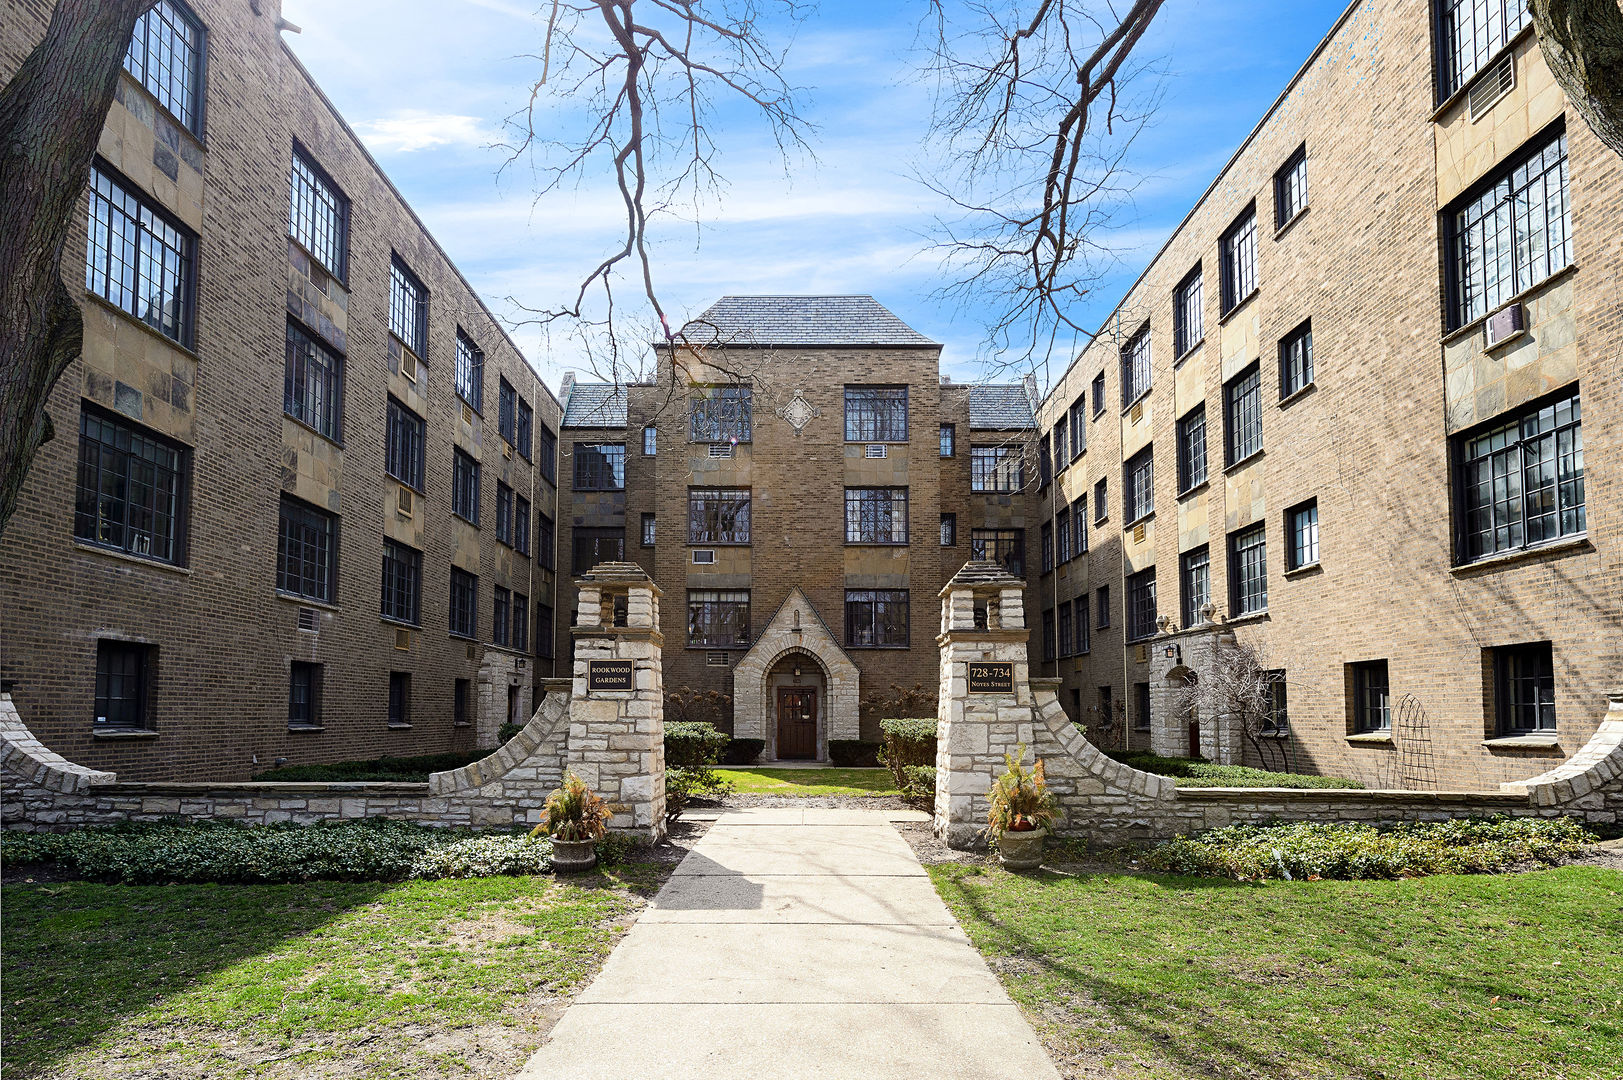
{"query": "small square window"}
(949, 440)
(1302, 526)
(650, 441)
(304, 696)
(949, 530)
(648, 530)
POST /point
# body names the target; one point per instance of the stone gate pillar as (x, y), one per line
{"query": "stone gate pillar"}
(617, 703)
(985, 704)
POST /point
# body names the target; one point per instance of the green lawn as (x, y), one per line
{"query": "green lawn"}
(1143, 977)
(287, 981)
(810, 781)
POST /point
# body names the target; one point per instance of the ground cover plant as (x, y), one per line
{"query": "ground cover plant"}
(1193, 772)
(692, 750)
(793, 782)
(407, 770)
(1156, 977)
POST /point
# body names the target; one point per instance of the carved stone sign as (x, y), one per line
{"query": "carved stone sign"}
(991, 677)
(609, 675)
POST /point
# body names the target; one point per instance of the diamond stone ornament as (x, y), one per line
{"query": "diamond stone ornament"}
(798, 412)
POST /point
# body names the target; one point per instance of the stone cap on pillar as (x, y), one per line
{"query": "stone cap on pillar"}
(983, 598)
(610, 574)
(616, 598)
(982, 575)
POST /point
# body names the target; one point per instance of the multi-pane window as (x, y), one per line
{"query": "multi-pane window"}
(719, 618)
(1044, 462)
(1141, 706)
(876, 617)
(399, 699)
(524, 429)
(306, 550)
(949, 440)
(949, 530)
(1372, 704)
(1062, 446)
(1296, 360)
(521, 622)
(465, 485)
(1238, 249)
(131, 489)
(1084, 628)
(1079, 517)
(408, 308)
(1524, 688)
(461, 712)
(1278, 721)
(313, 383)
(318, 214)
(521, 525)
(1523, 480)
(464, 603)
(123, 684)
(304, 695)
(722, 414)
(166, 57)
(650, 441)
(501, 620)
(470, 372)
(876, 515)
(1248, 570)
(1138, 492)
(1049, 652)
(504, 513)
(139, 260)
(1102, 607)
(1192, 449)
(1141, 616)
(1511, 234)
(1006, 547)
(1242, 415)
(1302, 532)
(996, 468)
(1101, 500)
(1063, 535)
(650, 530)
(876, 414)
(506, 411)
(718, 515)
(543, 631)
(600, 466)
(1194, 584)
(1047, 534)
(1065, 644)
(1188, 313)
(1079, 426)
(402, 582)
(1469, 32)
(404, 459)
(1135, 367)
(1290, 188)
(547, 450)
(545, 541)
(593, 546)
(1098, 393)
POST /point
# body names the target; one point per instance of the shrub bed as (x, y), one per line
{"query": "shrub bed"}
(1352, 852)
(919, 791)
(742, 751)
(1193, 773)
(853, 753)
(409, 770)
(692, 751)
(909, 741)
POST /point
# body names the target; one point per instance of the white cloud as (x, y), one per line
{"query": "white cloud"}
(418, 129)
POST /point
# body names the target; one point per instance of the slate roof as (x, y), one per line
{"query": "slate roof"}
(595, 405)
(999, 407)
(801, 320)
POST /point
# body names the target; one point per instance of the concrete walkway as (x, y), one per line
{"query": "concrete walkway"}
(794, 944)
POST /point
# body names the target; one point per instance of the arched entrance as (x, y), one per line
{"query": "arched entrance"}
(797, 697)
(827, 686)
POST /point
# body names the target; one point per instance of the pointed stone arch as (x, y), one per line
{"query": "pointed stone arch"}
(796, 628)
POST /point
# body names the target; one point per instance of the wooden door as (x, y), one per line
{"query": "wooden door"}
(1194, 737)
(797, 723)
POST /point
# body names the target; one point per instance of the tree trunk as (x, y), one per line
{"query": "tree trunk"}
(1583, 44)
(51, 116)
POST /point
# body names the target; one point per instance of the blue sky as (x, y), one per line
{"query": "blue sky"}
(427, 84)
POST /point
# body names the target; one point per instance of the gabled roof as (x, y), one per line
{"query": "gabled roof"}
(801, 320)
(595, 405)
(999, 407)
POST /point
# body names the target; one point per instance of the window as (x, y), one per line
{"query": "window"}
(1302, 526)
(313, 384)
(1098, 393)
(138, 259)
(648, 530)
(1141, 616)
(521, 525)
(318, 214)
(545, 541)
(949, 440)
(1062, 446)
(1523, 480)
(650, 441)
(521, 622)
(1278, 720)
(1290, 188)
(404, 460)
(501, 619)
(996, 468)
(1079, 515)
(1102, 606)
(1524, 688)
(1107, 707)
(1238, 248)
(306, 551)
(1049, 649)
(507, 411)
(166, 57)
(1079, 426)
(1084, 634)
(1044, 464)
(504, 513)
(1135, 368)
(949, 530)
(1511, 234)
(719, 618)
(600, 466)
(876, 618)
(1188, 314)
(1296, 360)
(876, 515)
(549, 455)
(726, 414)
(460, 692)
(464, 603)
(593, 546)
(544, 631)
(1139, 485)
(123, 684)
(1007, 547)
(1048, 546)
(1372, 710)
(402, 582)
(1101, 500)
(399, 699)
(304, 695)
(408, 308)
(524, 430)
(131, 488)
(1064, 630)
(720, 515)
(1195, 584)
(470, 372)
(1192, 450)
(1469, 32)
(1248, 570)
(876, 414)
(1141, 706)
(1063, 535)
(1242, 415)
(465, 486)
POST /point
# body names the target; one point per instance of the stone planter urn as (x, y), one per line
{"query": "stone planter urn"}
(1021, 851)
(573, 856)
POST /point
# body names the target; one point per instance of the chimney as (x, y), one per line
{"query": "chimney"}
(1030, 383)
(564, 387)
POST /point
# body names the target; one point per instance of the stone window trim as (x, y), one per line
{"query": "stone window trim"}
(1448, 338)
(1458, 94)
(320, 367)
(312, 190)
(160, 242)
(1452, 78)
(180, 21)
(1279, 234)
(1576, 544)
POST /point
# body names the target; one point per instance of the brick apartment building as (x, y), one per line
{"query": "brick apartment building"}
(1342, 407)
(299, 501)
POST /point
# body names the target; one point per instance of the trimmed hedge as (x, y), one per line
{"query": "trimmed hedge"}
(692, 744)
(1196, 773)
(410, 770)
(1351, 851)
(919, 790)
(853, 753)
(742, 751)
(909, 741)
